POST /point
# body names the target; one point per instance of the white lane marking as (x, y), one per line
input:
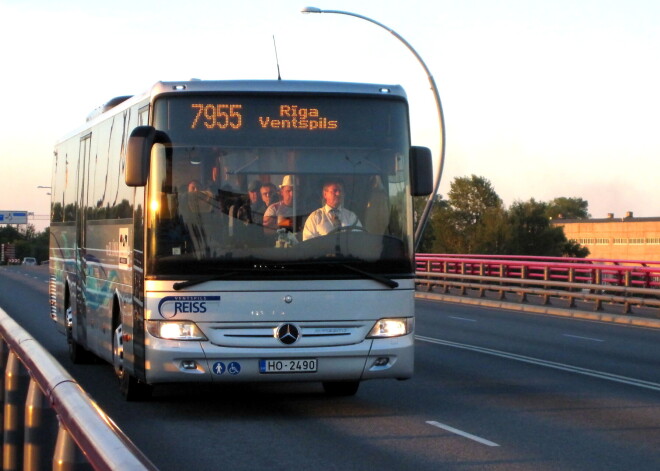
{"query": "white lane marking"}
(483, 441)
(640, 383)
(462, 319)
(583, 338)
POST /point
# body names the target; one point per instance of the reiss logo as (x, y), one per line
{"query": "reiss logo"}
(171, 306)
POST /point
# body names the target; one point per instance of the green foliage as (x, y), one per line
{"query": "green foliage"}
(531, 232)
(28, 244)
(568, 208)
(428, 236)
(473, 220)
(9, 234)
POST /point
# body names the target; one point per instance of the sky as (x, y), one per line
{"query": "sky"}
(542, 98)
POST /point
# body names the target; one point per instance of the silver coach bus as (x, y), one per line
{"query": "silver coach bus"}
(165, 265)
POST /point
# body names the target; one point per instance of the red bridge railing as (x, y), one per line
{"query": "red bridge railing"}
(625, 273)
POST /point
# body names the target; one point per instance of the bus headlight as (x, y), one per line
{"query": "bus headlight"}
(175, 330)
(392, 327)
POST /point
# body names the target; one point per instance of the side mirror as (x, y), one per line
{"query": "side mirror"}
(421, 171)
(140, 143)
(138, 155)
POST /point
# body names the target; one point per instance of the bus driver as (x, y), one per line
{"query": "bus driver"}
(332, 215)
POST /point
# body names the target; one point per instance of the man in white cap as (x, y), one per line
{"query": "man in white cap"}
(280, 215)
(332, 215)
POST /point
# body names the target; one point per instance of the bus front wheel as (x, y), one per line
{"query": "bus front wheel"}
(130, 387)
(78, 354)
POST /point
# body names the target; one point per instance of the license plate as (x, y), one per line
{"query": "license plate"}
(299, 365)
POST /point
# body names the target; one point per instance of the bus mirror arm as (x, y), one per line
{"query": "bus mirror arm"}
(138, 156)
(421, 171)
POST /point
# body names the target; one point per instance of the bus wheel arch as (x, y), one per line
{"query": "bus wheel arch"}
(130, 387)
(78, 354)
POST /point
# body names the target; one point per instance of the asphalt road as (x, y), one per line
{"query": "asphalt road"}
(493, 390)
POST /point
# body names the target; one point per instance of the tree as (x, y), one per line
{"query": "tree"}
(470, 198)
(532, 234)
(9, 234)
(428, 236)
(568, 208)
(28, 244)
(573, 249)
(473, 218)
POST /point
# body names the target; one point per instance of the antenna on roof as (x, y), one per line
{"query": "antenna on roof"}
(277, 60)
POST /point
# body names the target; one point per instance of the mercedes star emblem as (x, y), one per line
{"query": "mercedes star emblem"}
(287, 333)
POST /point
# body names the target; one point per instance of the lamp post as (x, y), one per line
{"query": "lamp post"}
(421, 225)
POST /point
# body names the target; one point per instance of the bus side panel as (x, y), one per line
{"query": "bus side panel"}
(62, 263)
(108, 279)
(133, 314)
(107, 230)
(61, 267)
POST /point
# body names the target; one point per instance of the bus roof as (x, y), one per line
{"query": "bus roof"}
(117, 104)
(276, 86)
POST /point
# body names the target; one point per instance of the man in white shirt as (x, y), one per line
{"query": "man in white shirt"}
(332, 215)
(280, 214)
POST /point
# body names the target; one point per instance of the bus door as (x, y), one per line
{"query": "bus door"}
(80, 310)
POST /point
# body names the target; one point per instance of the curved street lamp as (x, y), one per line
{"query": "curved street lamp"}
(421, 225)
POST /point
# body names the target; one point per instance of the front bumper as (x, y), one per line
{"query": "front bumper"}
(172, 362)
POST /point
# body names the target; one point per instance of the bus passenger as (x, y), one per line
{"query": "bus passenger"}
(197, 200)
(332, 215)
(268, 194)
(257, 206)
(280, 214)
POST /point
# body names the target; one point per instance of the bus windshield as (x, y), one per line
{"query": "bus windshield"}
(272, 186)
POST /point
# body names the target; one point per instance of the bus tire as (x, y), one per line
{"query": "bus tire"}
(341, 388)
(130, 387)
(78, 354)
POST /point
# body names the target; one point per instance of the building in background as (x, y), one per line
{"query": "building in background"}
(627, 238)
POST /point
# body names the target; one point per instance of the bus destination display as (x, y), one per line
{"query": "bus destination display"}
(231, 117)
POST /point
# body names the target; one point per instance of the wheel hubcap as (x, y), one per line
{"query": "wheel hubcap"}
(118, 352)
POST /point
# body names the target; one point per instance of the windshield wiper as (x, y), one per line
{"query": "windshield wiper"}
(185, 284)
(390, 283)
(203, 279)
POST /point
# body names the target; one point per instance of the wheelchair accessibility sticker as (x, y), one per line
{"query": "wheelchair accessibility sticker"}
(232, 368)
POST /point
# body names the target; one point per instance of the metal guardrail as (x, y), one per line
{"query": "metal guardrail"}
(49, 420)
(601, 272)
(539, 258)
(627, 286)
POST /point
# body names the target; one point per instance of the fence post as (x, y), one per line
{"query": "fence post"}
(523, 276)
(40, 430)
(67, 457)
(3, 364)
(16, 383)
(626, 307)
